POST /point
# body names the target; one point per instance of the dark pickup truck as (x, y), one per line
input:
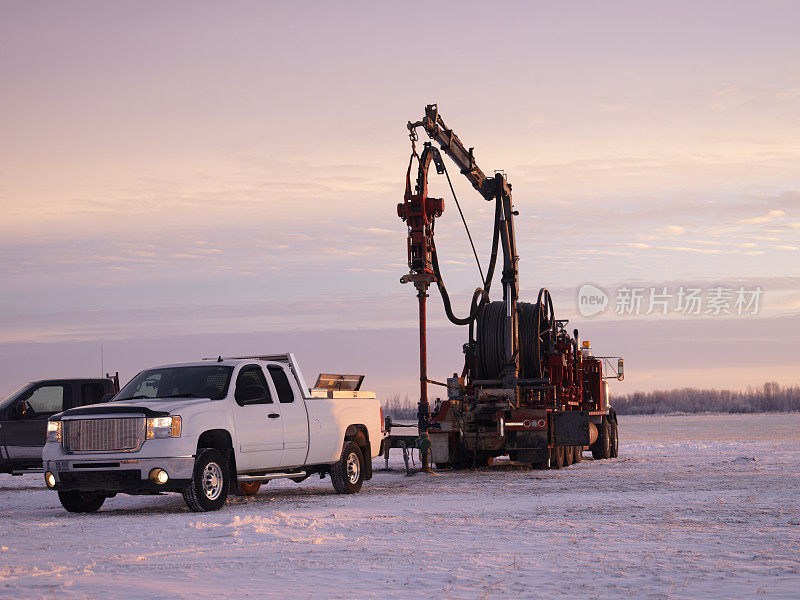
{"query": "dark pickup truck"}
(24, 414)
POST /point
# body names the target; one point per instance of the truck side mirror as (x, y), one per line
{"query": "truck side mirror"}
(22, 410)
(107, 397)
(620, 369)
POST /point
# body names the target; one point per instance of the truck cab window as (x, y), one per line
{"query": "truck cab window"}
(282, 385)
(251, 386)
(92, 393)
(46, 400)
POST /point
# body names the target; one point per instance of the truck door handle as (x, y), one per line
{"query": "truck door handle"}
(273, 415)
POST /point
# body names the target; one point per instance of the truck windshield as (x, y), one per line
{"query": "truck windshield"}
(179, 382)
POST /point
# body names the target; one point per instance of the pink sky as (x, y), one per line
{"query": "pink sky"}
(194, 178)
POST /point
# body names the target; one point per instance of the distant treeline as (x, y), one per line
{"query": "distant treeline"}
(399, 409)
(770, 397)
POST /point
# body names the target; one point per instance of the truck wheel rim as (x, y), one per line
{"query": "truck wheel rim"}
(212, 481)
(353, 468)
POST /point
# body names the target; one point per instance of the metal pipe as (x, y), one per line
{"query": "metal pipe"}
(447, 385)
(423, 410)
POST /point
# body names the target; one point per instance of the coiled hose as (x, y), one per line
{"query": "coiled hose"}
(534, 320)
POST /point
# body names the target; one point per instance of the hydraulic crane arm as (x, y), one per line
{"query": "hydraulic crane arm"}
(452, 146)
(419, 212)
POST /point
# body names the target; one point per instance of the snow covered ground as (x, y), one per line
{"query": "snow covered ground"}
(695, 507)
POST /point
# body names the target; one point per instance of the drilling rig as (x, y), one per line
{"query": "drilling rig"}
(528, 389)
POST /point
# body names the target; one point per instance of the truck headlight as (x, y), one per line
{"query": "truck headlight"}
(53, 431)
(163, 427)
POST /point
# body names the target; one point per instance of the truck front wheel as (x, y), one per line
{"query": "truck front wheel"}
(208, 489)
(347, 474)
(81, 502)
(614, 439)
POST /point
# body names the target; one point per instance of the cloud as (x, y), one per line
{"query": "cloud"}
(731, 97)
(689, 249)
(672, 230)
(766, 218)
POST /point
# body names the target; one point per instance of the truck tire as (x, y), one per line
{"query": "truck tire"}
(347, 475)
(482, 460)
(557, 457)
(614, 439)
(81, 502)
(602, 447)
(208, 489)
(578, 455)
(569, 455)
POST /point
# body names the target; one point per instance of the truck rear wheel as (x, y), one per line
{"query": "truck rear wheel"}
(557, 457)
(208, 489)
(81, 502)
(578, 454)
(569, 455)
(347, 475)
(602, 447)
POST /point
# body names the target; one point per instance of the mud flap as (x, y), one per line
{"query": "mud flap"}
(571, 428)
(532, 447)
(367, 450)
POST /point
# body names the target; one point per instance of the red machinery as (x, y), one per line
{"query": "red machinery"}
(526, 390)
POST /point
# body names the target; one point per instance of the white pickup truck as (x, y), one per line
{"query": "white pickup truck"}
(204, 428)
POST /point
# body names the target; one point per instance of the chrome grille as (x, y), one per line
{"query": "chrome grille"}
(102, 435)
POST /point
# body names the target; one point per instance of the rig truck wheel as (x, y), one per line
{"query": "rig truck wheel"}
(614, 438)
(569, 455)
(557, 457)
(602, 447)
(347, 475)
(81, 502)
(578, 457)
(208, 489)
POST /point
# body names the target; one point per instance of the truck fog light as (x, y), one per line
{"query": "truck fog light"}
(50, 480)
(159, 476)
